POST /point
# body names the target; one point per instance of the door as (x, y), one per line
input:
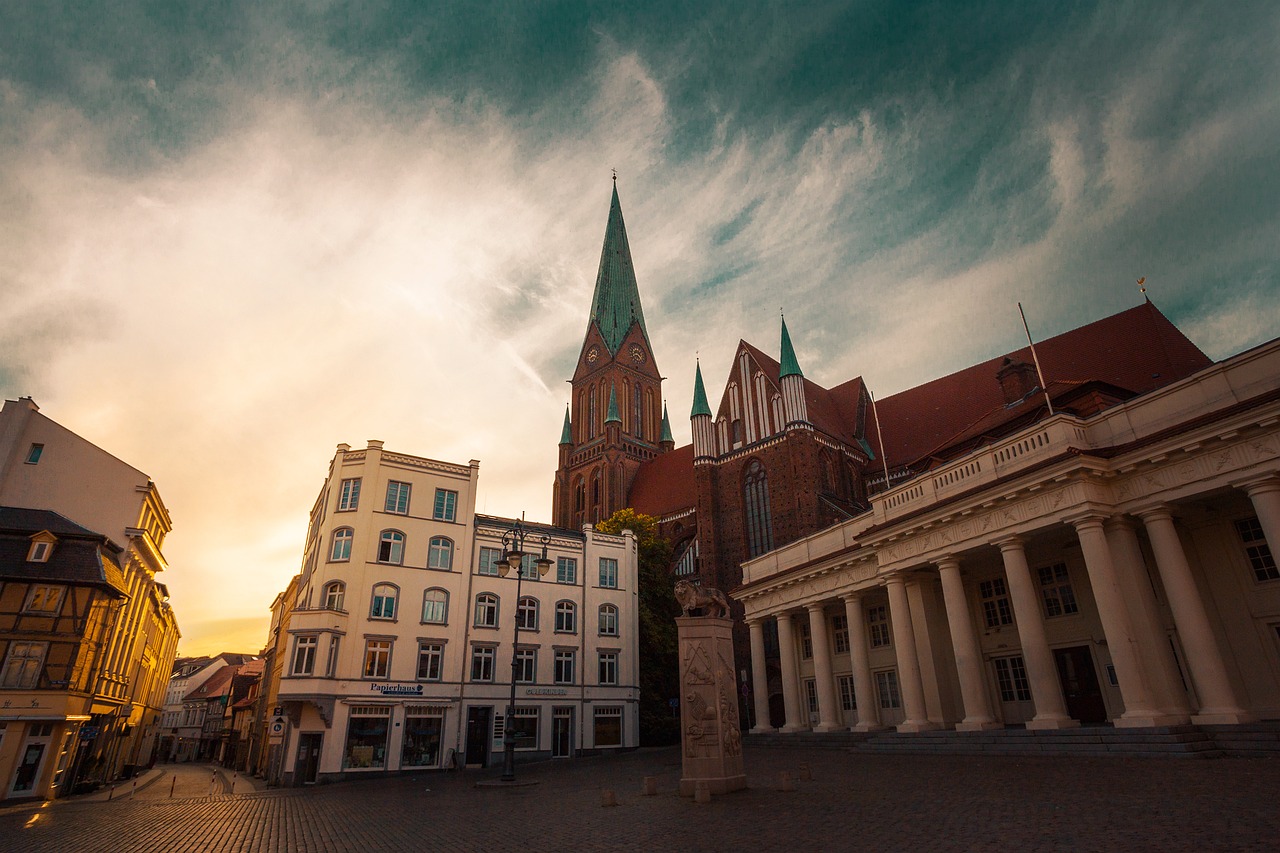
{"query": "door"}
(478, 723)
(1080, 684)
(309, 744)
(562, 733)
(24, 781)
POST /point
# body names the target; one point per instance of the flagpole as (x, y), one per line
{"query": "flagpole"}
(884, 457)
(1036, 359)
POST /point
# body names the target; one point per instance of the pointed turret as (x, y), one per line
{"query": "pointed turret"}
(566, 434)
(704, 446)
(794, 408)
(616, 302)
(611, 415)
(666, 441)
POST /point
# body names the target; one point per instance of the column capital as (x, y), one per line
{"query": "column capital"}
(1086, 519)
(816, 607)
(1259, 485)
(947, 561)
(853, 597)
(1154, 512)
(1009, 543)
(896, 578)
(1122, 522)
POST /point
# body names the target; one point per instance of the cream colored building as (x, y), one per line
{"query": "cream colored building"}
(397, 648)
(1117, 568)
(45, 466)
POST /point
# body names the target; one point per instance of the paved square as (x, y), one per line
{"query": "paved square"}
(852, 801)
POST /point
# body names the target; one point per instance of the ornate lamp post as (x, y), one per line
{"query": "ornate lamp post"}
(513, 554)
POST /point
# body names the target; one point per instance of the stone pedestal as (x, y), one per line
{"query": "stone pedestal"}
(711, 739)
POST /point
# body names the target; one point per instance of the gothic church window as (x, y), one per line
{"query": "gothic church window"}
(756, 510)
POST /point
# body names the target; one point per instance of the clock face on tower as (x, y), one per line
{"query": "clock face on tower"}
(592, 355)
(637, 353)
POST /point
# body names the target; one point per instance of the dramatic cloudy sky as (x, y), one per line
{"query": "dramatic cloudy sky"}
(238, 232)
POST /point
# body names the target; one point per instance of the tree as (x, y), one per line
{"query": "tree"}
(658, 609)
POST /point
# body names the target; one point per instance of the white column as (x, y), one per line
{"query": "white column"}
(759, 677)
(904, 642)
(1265, 495)
(973, 690)
(1046, 689)
(828, 708)
(1218, 702)
(795, 721)
(864, 695)
(1153, 642)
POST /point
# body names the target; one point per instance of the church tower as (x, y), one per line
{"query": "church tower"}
(615, 418)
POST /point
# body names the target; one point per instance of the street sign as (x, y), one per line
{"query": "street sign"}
(277, 711)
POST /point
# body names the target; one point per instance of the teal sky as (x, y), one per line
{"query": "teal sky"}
(236, 234)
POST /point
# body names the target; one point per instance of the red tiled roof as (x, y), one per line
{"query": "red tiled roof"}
(1138, 350)
(218, 684)
(664, 484)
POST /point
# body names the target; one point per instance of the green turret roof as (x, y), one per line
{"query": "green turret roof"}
(666, 426)
(700, 406)
(616, 303)
(612, 415)
(566, 434)
(790, 367)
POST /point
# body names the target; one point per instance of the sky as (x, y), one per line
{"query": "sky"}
(234, 234)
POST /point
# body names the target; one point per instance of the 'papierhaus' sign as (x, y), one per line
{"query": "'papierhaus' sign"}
(397, 689)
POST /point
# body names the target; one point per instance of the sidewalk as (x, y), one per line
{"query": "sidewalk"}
(176, 781)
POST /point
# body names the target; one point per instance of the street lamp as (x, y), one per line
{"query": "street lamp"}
(513, 554)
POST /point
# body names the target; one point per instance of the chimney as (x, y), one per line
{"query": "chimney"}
(1017, 379)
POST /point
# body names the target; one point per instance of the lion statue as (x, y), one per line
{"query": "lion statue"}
(711, 601)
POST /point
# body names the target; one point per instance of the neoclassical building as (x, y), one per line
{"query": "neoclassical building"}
(1106, 562)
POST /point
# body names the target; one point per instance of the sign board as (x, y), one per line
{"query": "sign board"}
(277, 711)
(88, 732)
(276, 729)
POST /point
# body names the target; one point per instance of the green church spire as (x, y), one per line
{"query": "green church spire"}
(566, 434)
(700, 406)
(616, 303)
(666, 426)
(790, 367)
(612, 415)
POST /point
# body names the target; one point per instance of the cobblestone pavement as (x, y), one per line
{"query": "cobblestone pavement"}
(842, 801)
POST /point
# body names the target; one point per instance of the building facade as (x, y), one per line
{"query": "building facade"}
(1114, 565)
(43, 465)
(398, 642)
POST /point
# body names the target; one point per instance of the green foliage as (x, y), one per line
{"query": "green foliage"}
(659, 663)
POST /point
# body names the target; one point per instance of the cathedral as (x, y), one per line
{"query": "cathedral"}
(782, 461)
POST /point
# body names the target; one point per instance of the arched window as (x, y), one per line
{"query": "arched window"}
(755, 490)
(440, 553)
(595, 494)
(527, 613)
(608, 620)
(384, 601)
(486, 610)
(566, 617)
(435, 606)
(391, 547)
(335, 595)
(591, 416)
(341, 550)
(637, 415)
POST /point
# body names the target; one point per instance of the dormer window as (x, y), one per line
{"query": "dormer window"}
(41, 547)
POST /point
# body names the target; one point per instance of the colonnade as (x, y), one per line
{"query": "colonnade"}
(1141, 655)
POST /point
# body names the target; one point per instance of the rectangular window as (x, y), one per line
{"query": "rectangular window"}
(848, 698)
(840, 633)
(33, 455)
(445, 505)
(608, 622)
(1011, 679)
(422, 729)
(566, 570)
(565, 665)
(566, 617)
(349, 497)
(43, 599)
(331, 667)
(608, 573)
(1055, 591)
(367, 731)
(397, 498)
(806, 641)
(1257, 549)
(811, 695)
(489, 559)
(529, 567)
(377, 658)
(608, 726)
(526, 669)
(482, 663)
(22, 664)
(39, 552)
(995, 603)
(608, 670)
(887, 688)
(878, 626)
(304, 655)
(524, 727)
(430, 661)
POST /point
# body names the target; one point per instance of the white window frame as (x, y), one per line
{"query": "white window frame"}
(445, 505)
(398, 492)
(607, 669)
(567, 570)
(491, 604)
(23, 663)
(303, 661)
(442, 605)
(349, 495)
(335, 596)
(377, 658)
(378, 602)
(526, 665)
(566, 666)
(608, 620)
(340, 545)
(527, 613)
(483, 659)
(440, 545)
(609, 572)
(433, 655)
(44, 599)
(488, 561)
(566, 617)
(394, 547)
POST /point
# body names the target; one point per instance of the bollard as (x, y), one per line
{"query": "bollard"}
(173, 785)
(804, 772)
(213, 780)
(608, 798)
(701, 792)
(133, 789)
(650, 786)
(234, 777)
(785, 782)
(112, 792)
